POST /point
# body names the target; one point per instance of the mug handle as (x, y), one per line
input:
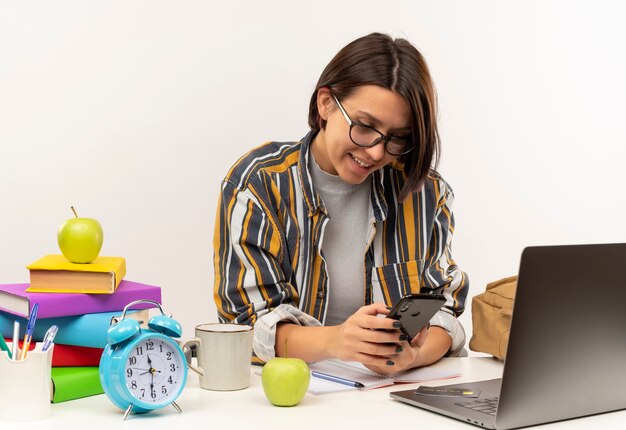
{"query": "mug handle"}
(199, 370)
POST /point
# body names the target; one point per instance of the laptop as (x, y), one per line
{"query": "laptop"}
(566, 356)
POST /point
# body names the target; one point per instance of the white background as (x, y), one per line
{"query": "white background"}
(132, 111)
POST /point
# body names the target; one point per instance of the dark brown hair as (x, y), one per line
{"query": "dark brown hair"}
(394, 64)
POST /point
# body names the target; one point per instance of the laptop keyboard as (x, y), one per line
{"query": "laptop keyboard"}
(487, 406)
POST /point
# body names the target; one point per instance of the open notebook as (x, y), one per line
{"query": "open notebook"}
(353, 371)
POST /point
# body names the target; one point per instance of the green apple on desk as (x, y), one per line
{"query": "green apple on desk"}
(285, 380)
(80, 239)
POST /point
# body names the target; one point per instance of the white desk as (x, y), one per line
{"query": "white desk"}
(249, 409)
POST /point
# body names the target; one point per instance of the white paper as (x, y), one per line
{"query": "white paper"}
(359, 373)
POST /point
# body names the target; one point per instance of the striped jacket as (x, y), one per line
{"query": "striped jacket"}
(268, 234)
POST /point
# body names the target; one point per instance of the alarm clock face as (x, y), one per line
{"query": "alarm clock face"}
(155, 370)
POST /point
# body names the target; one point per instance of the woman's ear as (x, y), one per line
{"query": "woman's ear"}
(324, 102)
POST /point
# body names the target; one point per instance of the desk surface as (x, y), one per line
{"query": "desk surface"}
(372, 409)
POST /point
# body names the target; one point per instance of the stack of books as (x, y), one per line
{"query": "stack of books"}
(81, 299)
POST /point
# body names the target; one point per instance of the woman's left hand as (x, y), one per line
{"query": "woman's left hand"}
(407, 358)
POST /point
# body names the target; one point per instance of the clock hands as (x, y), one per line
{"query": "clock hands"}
(142, 371)
(146, 371)
(151, 369)
(151, 376)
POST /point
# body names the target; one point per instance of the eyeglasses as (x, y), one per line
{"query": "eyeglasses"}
(365, 136)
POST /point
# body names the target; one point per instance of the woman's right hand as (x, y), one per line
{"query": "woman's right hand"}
(367, 338)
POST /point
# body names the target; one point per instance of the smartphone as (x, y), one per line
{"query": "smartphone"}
(415, 310)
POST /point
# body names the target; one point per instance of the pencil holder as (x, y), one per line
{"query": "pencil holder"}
(25, 385)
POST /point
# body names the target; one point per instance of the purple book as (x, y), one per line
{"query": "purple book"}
(16, 300)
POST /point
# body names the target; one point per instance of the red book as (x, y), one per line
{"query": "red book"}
(73, 356)
(16, 300)
(70, 355)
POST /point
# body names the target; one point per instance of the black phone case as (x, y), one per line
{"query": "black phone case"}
(415, 310)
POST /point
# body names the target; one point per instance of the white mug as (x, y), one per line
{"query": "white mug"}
(224, 353)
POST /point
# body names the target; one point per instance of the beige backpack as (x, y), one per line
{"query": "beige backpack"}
(491, 317)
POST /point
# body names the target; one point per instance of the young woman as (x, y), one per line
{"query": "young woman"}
(315, 239)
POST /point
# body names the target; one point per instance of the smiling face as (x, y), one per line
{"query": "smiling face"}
(370, 105)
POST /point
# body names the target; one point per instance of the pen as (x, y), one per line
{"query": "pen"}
(49, 337)
(30, 327)
(16, 339)
(5, 347)
(336, 379)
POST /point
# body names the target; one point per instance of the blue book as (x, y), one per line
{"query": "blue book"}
(81, 330)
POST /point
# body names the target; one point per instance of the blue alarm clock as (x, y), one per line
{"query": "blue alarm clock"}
(143, 369)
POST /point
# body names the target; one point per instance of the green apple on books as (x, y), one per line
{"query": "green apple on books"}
(79, 269)
(80, 239)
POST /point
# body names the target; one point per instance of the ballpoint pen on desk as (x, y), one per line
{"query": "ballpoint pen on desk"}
(29, 330)
(336, 379)
(48, 339)
(5, 347)
(16, 339)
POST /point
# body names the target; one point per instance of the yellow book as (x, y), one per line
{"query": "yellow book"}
(54, 274)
